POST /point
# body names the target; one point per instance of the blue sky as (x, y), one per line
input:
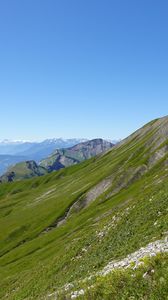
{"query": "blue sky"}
(82, 68)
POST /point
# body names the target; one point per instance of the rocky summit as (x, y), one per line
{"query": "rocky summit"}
(62, 158)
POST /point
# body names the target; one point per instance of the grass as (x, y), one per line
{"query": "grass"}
(23, 170)
(147, 282)
(35, 262)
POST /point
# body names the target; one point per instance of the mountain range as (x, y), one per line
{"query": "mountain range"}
(95, 230)
(60, 158)
(12, 152)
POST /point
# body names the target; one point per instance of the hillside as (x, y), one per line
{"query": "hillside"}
(23, 170)
(61, 231)
(8, 160)
(62, 158)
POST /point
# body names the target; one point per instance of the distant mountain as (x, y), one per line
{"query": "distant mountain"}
(61, 158)
(14, 147)
(23, 170)
(45, 147)
(12, 152)
(7, 160)
(38, 151)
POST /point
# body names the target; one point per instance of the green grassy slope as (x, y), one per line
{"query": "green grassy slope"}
(121, 205)
(23, 170)
(148, 281)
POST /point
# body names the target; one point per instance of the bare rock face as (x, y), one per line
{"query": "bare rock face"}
(159, 154)
(66, 157)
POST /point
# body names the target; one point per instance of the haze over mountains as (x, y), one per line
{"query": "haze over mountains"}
(12, 152)
(59, 159)
(36, 148)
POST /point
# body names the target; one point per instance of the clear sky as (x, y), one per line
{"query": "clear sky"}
(82, 68)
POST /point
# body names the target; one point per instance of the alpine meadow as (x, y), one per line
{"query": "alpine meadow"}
(60, 231)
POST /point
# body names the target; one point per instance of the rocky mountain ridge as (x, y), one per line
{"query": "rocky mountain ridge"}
(12, 152)
(61, 158)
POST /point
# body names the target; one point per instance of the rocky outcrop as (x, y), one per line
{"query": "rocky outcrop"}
(133, 260)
